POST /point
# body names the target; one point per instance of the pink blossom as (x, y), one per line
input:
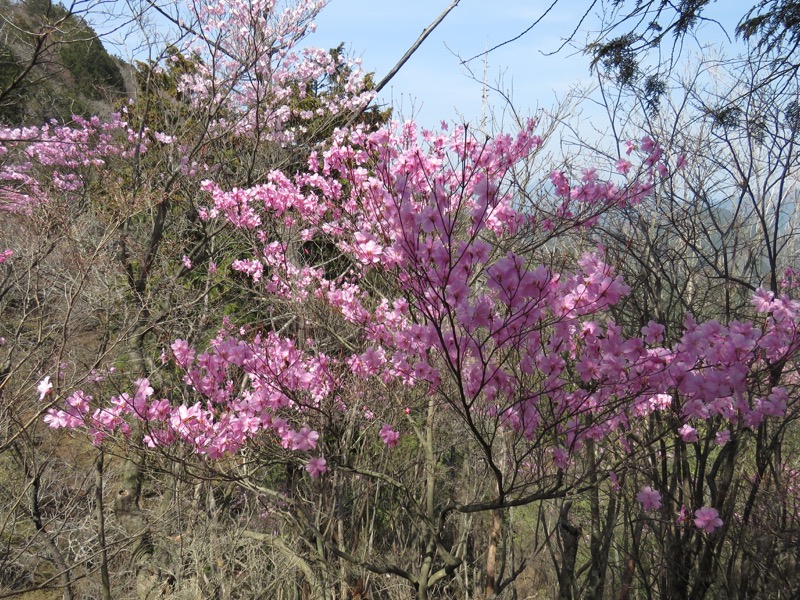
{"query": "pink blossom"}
(688, 433)
(254, 268)
(143, 392)
(317, 466)
(44, 387)
(369, 250)
(762, 300)
(707, 519)
(431, 217)
(389, 436)
(776, 403)
(649, 498)
(722, 437)
(184, 354)
(653, 332)
(695, 409)
(58, 419)
(560, 458)
(305, 439)
(163, 137)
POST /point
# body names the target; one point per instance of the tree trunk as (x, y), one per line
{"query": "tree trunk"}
(491, 555)
(53, 550)
(99, 507)
(570, 536)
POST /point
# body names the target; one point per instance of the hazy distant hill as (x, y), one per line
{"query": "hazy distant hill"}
(52, 65)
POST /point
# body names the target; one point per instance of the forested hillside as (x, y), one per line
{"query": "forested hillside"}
(52, 65)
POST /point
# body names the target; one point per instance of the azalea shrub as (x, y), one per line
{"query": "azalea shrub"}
(475, 346)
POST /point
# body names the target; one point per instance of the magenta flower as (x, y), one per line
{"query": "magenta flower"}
(653, 332)
(707, 519)
(722, 437)
(56, 418)
(762, 300)
(305, 439)
(560, 458)
(317, 466)
(649, 498)
(688, 434)
(184, 354)
(623, 166)
(389, 436)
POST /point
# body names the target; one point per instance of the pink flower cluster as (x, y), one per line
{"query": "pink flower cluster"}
(226, 421)
(38, 162)
(389, 436)
(267, 36)
(534, 351)
(707, 519)
(649, 498)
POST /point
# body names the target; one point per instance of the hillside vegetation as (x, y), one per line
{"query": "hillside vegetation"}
(53, 65)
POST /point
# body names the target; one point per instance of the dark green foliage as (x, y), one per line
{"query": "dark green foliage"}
(654, 88)
(636, 26)
(726, 116)
(52, 65)
(95, 72)
(11, 96)
(323, 251)
(650, 23)
(688, 15)
(792, 115)
(332, 86)
(618, 57)
(773, 25)
(44, 8)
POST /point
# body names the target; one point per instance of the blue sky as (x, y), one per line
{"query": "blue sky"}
(433, 85)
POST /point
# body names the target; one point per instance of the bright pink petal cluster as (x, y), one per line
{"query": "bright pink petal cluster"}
(317, 466)
(649, 498)
(707, 519)
(389, 436)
